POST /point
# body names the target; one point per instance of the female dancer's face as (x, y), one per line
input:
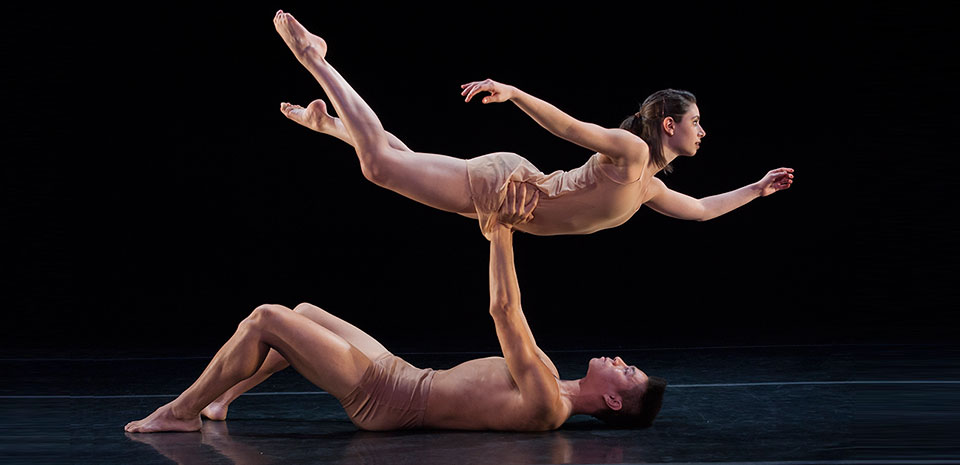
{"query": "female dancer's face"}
(687, 133)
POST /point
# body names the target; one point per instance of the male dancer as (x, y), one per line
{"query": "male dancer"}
(520, 391)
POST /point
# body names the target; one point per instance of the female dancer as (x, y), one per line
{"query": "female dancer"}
(603, 193)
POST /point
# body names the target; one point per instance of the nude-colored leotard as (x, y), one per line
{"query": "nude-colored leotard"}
(580, 201)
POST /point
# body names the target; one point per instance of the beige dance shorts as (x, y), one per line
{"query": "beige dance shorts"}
(392, 395)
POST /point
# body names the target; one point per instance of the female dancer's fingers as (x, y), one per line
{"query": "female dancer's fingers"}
(470, 92)
(474, 91)
(480, 87)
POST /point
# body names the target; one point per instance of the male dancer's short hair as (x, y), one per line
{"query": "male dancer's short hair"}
(640, 406)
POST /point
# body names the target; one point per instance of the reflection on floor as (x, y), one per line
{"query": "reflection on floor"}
(788, 404)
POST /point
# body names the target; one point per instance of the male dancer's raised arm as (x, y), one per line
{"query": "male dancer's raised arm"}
(534, 376)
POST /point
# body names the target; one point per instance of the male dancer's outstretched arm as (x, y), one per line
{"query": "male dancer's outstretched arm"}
(534, 376)
(518, 206)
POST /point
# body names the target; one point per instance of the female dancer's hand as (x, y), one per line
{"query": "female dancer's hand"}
(498, 92)
(776, 180)
(521, 201)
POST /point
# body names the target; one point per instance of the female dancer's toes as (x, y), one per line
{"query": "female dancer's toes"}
(301, 42)
(294, 112)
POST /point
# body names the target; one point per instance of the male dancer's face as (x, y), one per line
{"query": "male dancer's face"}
(614, 373)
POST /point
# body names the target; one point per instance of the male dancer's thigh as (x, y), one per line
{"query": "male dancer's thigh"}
(350, 333)
(439, 181)
(320, 355)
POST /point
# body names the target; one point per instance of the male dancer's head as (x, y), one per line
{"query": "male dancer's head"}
(621, 394)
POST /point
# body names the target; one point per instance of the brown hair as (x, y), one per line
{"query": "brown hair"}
(646, 123)
(640, 406)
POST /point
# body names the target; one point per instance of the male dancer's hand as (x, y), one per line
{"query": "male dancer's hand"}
(522, 199)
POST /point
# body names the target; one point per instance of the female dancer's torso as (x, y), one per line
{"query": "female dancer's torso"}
(595, 196)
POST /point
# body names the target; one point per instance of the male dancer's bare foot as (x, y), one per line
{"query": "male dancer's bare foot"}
(164, 419)
(215, 411)
(298, 38)
(315, 116)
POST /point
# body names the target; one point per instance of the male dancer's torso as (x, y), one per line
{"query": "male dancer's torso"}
(481, 394)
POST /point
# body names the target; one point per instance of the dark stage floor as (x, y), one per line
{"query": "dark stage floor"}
(766, 404)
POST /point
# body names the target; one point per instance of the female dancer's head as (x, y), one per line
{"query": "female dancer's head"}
(667, 118)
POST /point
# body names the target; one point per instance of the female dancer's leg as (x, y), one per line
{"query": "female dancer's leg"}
(316, 117)
(436, 180)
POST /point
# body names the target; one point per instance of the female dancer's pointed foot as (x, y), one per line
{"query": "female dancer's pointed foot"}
(315, 116)
(301, 42)
(164, 419)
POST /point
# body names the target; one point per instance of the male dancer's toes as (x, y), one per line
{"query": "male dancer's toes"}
(164, 419)
(300, 41)
(315, 116)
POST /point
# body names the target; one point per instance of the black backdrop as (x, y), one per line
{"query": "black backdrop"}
(153, 194)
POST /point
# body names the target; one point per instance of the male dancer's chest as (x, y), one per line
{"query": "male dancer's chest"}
(473, 395)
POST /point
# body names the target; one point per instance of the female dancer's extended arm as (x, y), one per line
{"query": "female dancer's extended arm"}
(684, 207)
(619, 144)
